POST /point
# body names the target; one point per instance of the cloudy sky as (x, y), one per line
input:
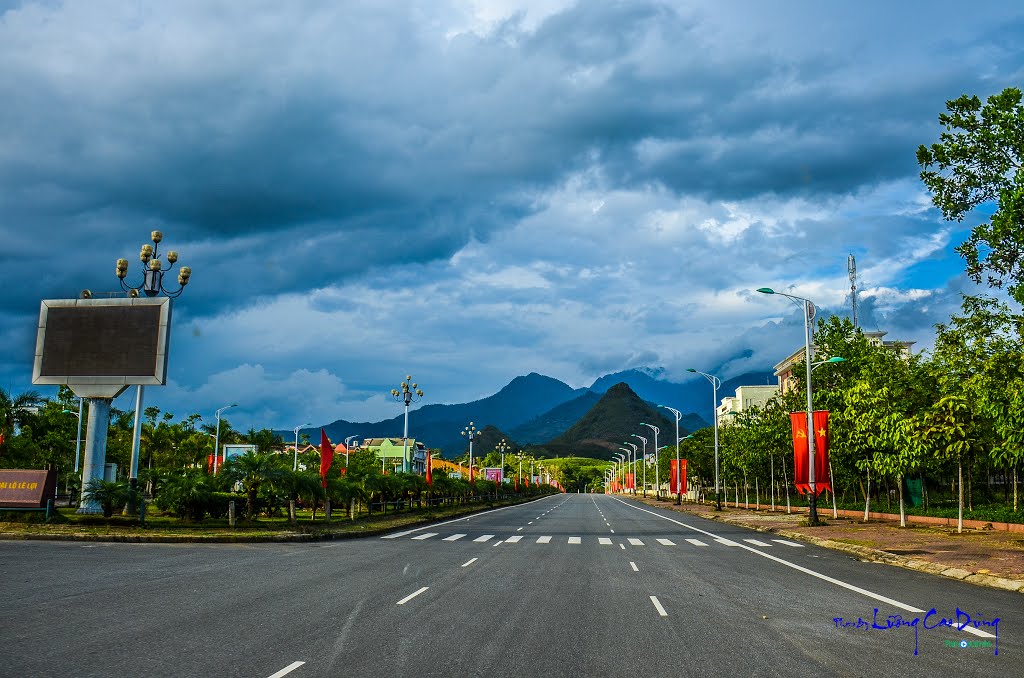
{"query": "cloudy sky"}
(469, 191)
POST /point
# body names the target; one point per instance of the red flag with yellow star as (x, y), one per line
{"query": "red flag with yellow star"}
(801, 462)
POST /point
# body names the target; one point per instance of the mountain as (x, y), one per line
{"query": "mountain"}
(693, 395)
(617, 415)
(555, 421)
(439, 426)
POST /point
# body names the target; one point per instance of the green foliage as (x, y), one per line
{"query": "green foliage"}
(108, 494)
(980, 159)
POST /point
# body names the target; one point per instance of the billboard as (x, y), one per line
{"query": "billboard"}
(494, 474)
(100, 346)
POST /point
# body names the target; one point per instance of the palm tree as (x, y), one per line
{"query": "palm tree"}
(109, 494)
(14, 410)
(253, 470)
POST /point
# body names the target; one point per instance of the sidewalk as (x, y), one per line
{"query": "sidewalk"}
(993, 558)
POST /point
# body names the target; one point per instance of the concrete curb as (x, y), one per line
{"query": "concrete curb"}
(281, 537)
(867, 553)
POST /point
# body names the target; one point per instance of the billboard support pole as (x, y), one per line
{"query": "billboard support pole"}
(95, 450)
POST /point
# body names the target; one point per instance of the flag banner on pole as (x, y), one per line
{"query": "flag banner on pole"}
(801, 461)
(821, 436)
(673, 477)
(430, 478)
(326, 456)
(630, 481)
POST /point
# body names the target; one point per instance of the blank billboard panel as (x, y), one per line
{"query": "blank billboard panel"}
(102, 341)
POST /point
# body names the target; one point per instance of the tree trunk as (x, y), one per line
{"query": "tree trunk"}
(888, 497)
(867, 497)
(757, 495)
(746, 490)
(960, 502)
(1015, 488)
(832, 481)
(970, 486)
(903, 513)
(924, 492)
(785, 479)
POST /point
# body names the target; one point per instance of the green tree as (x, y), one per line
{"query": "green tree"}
(980, 159)
(253, 470)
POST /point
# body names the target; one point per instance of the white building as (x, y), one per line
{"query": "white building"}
(746, 397)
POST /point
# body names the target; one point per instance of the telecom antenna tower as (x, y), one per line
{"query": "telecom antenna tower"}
(851, 266)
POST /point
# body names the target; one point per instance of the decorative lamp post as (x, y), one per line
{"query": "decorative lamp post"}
(152, 285)
(502, 447)
(657, 471)
(216, 438)
(808, 313)
(679, 473)
(716, 383)
(409, 394)
(471, 433)
(620, 457)
(153, 274)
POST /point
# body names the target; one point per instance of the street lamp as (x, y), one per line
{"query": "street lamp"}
(502, 447)
(153, 274)
(471, 433)
(295, 466)
(346, 450)
(808, 313)
(216, 438)
(657, 471)
(622, 461)
(679, 485)
(644, 441)
(410, 393)
(635, 449)
(78, 439)
(716, 383)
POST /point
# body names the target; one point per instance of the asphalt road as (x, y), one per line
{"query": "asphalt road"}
(570, 585)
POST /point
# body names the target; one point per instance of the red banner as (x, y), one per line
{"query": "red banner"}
(674, 476)
(801, 459)
(326, 456)
(630, 481)
(430, 478)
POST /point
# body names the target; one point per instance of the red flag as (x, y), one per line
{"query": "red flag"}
(801, 462)
(677, 476)
(430, 478)
(326, 456)
(630, 481)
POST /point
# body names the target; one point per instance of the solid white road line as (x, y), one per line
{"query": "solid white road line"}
(469, 562)
(666, 542)
(454, 537)
(658, 607)
(604, 540)
(409, 597)
(514, 540)
(696, 542)
(396, 535)
(756, 542)
(575, 540)
(635, 542)
(543, 540)
(425, 535)
(788, 543)
(633, 565)
(288, 669)
(484, 537)
(782, 561)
